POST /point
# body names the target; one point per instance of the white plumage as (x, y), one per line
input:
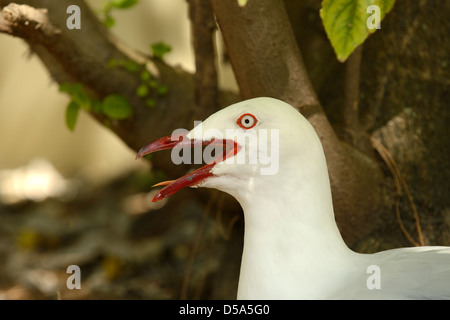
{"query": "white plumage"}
(292, 246)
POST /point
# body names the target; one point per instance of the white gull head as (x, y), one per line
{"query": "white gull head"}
(292, 246)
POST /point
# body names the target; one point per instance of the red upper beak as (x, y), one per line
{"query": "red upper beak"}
(229, 148)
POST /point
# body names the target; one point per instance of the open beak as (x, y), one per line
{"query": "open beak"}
(229, 149)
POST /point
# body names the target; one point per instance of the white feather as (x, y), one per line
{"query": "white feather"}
(292, 246)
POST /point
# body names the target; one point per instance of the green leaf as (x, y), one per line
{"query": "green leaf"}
(346, 22)
(150, 103)
(78, 94)
(160, 49)
(386, 6)
(242, 3)
(116, 107)
(97, 106)
(72, 115)
(112, 63)
(142, 91)
(109, 21)
(145, 75)
(153, 84)
(162, 90)
(130, 65)
(123, 4)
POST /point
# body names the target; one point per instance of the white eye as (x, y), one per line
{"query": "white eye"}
(247, 121)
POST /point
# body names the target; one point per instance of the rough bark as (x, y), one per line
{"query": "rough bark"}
(267, 62)
(203, 27)
(403, 94)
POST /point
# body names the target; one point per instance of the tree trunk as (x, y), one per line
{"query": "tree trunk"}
(267, 62)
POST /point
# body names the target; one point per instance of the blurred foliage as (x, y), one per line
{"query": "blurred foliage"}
(72, 115)
(112, 267)
(149, 87)
(159, 49)
(109, 6)
(116, 107)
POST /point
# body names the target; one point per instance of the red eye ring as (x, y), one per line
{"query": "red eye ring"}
(247, 121)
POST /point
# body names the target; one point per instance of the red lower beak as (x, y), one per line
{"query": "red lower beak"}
(229, 148)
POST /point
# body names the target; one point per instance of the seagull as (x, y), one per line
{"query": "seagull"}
(292, 246)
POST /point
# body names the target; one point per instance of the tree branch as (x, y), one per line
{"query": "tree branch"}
(352, 74)
(267, 62)
(83, 56)
(203, 26)
(353, 126)
(27, 22)
(264, 53)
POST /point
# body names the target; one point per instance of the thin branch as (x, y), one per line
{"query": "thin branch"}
(353, 126)
(399, 183)
(264, 53)
(369, 121)
(352, 80)
(203, 27)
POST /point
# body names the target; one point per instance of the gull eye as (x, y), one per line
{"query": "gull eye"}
(247, 121)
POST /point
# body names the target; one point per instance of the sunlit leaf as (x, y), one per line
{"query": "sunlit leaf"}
(346, 22)
(242, 3)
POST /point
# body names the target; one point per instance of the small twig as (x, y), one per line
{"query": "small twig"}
(378, 95)
(352, 80)
(399, 183)
(352, 121)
